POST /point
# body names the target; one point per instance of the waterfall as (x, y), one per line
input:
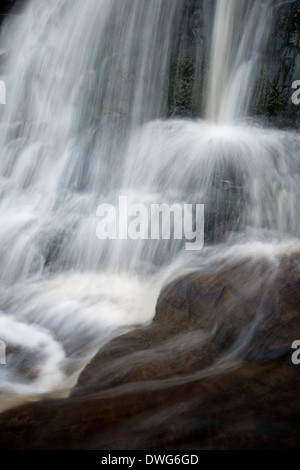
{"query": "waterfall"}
(240, 28)
(82, 77)
(85, 122)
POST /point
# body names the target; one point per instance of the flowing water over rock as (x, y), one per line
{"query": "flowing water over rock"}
(85, 122)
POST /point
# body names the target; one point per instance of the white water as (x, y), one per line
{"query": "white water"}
(240, 29)
(87, 91)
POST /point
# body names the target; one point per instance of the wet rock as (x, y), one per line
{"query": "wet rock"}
(213, 371)
(189, 58)
(6, 6)
(279, 67)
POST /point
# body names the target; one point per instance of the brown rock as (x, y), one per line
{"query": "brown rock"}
(213, 371)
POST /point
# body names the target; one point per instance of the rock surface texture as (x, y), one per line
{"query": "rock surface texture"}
(213, 371)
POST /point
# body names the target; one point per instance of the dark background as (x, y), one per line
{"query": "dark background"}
(5, 6)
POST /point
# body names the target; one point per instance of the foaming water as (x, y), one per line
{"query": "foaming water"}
(54, 327)
(82, 126)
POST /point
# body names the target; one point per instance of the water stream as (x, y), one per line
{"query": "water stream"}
(85, 122)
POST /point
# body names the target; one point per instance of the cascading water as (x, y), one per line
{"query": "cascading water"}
(240, 29)
(81, 77)
(87, 89)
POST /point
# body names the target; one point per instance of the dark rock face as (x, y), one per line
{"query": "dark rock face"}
(280, 67)
(213, 371)
(190, 59)
(6, 6)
